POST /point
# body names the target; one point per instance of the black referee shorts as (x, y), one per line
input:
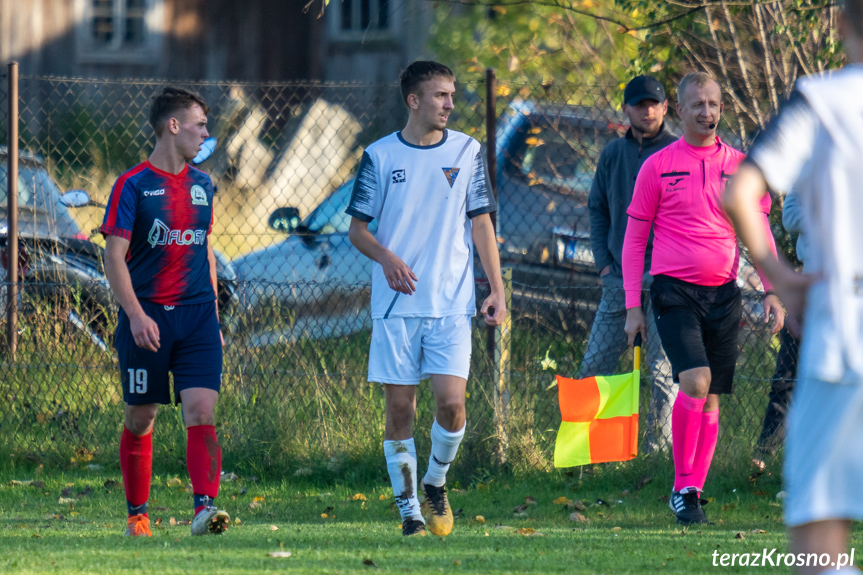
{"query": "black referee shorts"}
(698, 327)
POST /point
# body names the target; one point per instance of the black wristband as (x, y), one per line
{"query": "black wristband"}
(769, 292)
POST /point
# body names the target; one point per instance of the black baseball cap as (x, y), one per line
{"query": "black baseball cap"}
(643, 88)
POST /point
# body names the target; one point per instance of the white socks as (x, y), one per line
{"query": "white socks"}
(402, 466)
(443, 449)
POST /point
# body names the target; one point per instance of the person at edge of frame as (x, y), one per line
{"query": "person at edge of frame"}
(814, 150)
(428, 187)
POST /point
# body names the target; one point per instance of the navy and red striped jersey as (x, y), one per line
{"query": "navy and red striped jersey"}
(166, 218)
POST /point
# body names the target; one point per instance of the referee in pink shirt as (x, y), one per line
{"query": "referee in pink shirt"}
(695, 297)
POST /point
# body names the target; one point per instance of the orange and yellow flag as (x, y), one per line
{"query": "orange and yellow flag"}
(599, 418)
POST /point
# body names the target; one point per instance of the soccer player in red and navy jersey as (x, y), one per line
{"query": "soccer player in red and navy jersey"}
(162, 270)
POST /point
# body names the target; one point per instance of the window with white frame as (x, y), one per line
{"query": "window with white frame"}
(119, 30)
(361, 17)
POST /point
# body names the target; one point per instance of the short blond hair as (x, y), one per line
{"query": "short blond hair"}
(697, 78)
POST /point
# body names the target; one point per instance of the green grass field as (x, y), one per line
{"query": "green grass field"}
(334, 527)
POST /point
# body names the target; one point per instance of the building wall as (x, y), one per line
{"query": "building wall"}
(249, 40)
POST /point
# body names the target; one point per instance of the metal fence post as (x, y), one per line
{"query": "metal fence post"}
(502, 356)
(12, 217)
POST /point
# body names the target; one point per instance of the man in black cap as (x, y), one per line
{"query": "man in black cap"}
(645, 105)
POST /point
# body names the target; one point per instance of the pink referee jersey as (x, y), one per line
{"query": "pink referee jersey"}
(679, 192)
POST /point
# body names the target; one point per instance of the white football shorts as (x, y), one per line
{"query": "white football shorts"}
(824, 453)
(406, 350)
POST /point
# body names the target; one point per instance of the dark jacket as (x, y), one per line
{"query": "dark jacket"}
(611, 194)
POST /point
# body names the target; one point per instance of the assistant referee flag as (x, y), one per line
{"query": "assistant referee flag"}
(599, 417)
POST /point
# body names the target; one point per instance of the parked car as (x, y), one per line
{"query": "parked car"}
(58, 265)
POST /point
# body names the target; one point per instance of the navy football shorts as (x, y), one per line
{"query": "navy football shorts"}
(190, 348)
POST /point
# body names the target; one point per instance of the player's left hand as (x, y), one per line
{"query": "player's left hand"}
(773, 306)
(496, 304)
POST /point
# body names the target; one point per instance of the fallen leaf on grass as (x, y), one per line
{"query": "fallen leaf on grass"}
(520, 508)
(279, 554)
(370, 563)
(273, 528)
(577, 517)
(383, 498)
(760, 531)
(562, 501)
(739, 535)
(158, 521)
(66, 492)
(615, 529)
(37, 484)
(302, 472)
(528, 532)
(65, 501)
(110, 484)
(504, 527)
(242, 491)
(577, 505)
(625, 492)
(37, 535)
(175, 482)
(728, 506)
(530, 501)
(173, 522)
(228, 477)
(255, 505)
(85, 493)
(479, 519)
(358, 497)
(759, 493)
(457, 562)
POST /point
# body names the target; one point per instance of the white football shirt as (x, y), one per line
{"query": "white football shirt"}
(424, 198)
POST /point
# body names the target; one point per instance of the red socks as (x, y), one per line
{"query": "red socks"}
(136, 464)
(686, 416)
(204, 460)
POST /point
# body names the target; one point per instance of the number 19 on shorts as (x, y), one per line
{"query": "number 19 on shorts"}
(137, 380)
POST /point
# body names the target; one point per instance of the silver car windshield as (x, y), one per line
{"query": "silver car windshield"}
(35, 188)
(330, 217)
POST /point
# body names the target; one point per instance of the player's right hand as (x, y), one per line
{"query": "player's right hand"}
(145, 331)
(635, 324)
(399, 276)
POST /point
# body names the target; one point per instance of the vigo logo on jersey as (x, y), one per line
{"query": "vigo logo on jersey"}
(161, 235)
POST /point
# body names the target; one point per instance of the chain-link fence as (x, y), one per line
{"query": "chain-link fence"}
(295, 294)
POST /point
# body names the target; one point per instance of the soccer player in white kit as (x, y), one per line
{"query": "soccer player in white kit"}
(814, 147)
(428, 188)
